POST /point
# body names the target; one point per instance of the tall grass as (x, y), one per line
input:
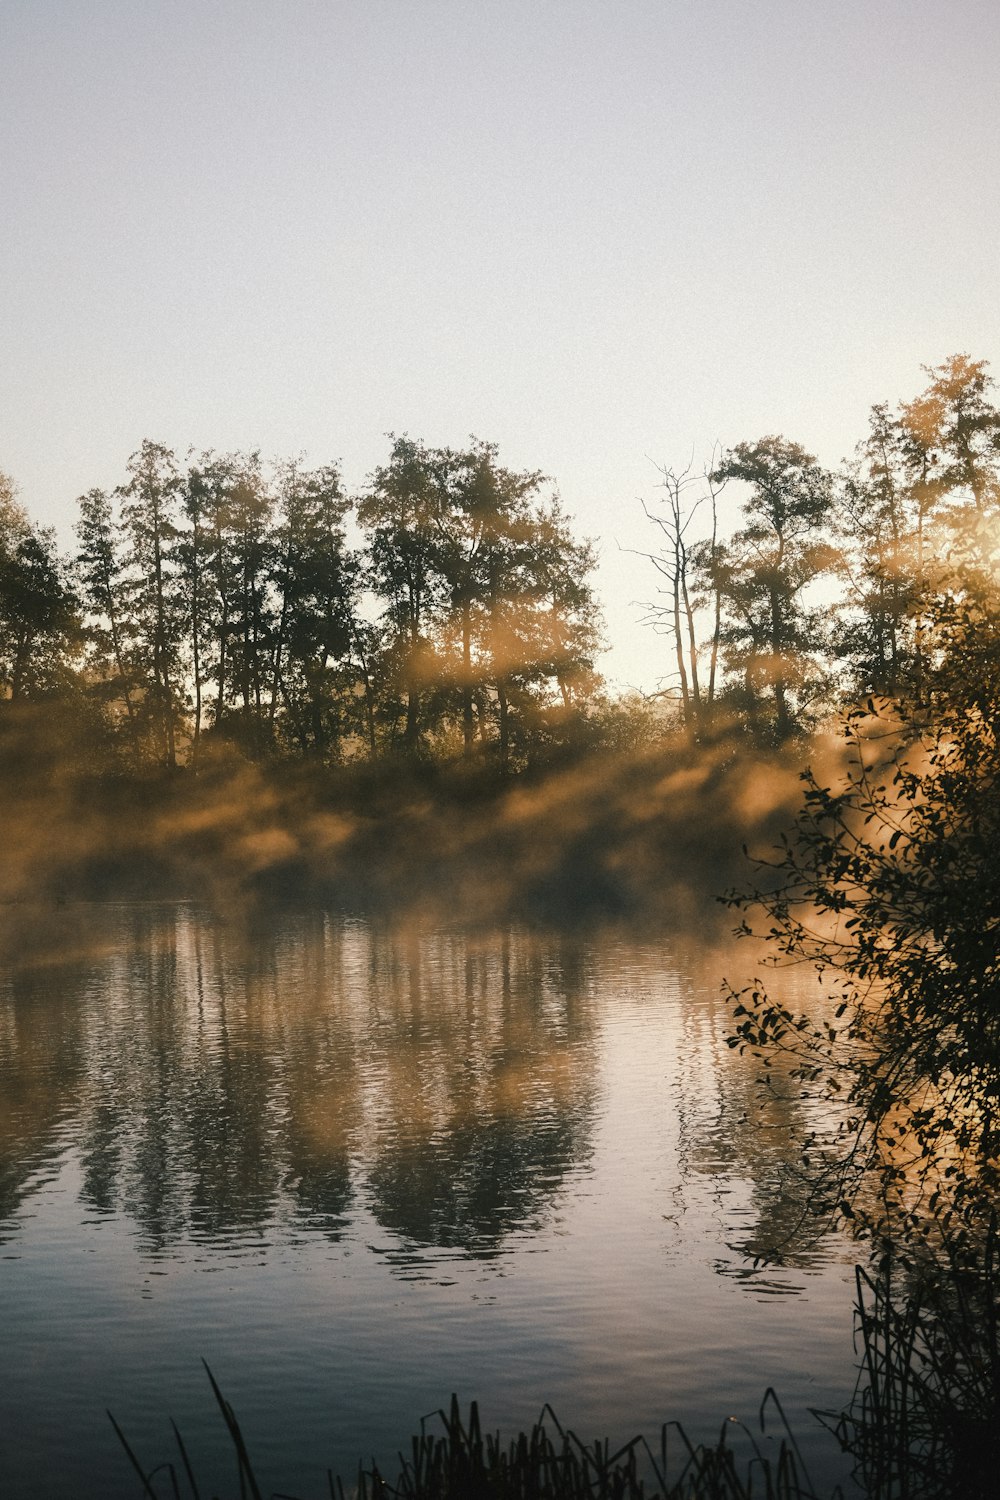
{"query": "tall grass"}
(925, 1420)
(459, 1461)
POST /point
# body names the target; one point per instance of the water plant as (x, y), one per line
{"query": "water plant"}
(457, 1460)
(925, 1420)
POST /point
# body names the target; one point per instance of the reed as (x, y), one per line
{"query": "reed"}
(457, 1460)
(925, 1420)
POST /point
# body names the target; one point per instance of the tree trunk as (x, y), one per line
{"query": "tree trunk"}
(504, 726)
(467, 724)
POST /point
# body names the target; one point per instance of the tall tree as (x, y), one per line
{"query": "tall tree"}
(953, 434)
(37, 613)
(227, 556)
(689, 609)
(314, 578)
(509, 591)
(919, 519)
(890, 888)
(951, 460)
(149, 513)
(771, 636)
(482, 516)
(465, 502)
(875, 631)
(488, 600)
(14, 522)
(249, 506)
(567, 614)
(195, 549)
(101, 578)
(211, 558)
(404, 570)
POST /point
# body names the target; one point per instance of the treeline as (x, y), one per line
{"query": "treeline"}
(448, 610)
(212, 598)
(835, 586)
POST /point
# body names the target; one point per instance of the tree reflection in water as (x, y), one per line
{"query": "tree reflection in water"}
(749, 1128)
(230, 1080)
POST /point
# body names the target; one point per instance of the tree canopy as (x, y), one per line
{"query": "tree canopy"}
(214, 598)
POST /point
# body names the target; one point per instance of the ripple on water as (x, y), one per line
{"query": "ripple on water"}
(357, 1170)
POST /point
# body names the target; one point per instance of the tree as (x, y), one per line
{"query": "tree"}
(919, 514)
(690, 568)
(875, 635)
(518, 599)
(37, 616)
(248, 512)
(951, 445)
(772, 639)
(952, 431)
(553, 633)
(101, 579)
(466, 519)
(149, 515)
(314, 579)
(890, 887)
(492, 558)
(226, 555)
(14, 522)
(568, 618)
(211, 579)
(194, 548)
(487, 596)
(403, 569)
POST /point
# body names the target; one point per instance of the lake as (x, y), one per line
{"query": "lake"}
(356, 1167)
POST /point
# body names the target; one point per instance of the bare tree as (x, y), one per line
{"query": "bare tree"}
(689, 606)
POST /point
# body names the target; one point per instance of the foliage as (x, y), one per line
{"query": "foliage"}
(876, 634)
(38, 625)
(215, 597)
(737, 609)
(214, 600)
(488, 604)
(914, 518)
(774, 639)
(889, 886)
(918, 514)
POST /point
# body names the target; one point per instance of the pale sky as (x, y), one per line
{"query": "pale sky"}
(595, 233)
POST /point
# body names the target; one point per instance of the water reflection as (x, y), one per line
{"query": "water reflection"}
(227, 1080)
(748, 1128)
(41, 1070)
(416, 1161)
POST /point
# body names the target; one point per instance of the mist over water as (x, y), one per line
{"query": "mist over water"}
(357, 1165)
(650, 835)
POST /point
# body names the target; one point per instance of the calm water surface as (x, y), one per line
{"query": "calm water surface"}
(356, 1169)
